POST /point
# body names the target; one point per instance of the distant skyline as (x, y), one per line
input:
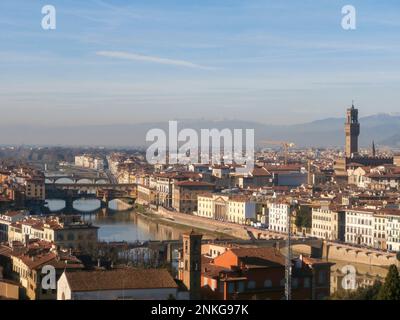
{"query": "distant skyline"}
(111, 62)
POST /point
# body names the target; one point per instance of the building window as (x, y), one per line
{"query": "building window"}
(267, 283)
(322, 277)
(240, 287)
(307, 282)
(251, 284)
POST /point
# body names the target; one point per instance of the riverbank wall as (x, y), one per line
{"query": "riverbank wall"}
(343, 252)
(235, 231)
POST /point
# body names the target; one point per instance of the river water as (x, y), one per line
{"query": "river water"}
(129, 226)
(117, 224)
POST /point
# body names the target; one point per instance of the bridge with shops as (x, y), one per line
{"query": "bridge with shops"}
(77, 179)
(105, 192)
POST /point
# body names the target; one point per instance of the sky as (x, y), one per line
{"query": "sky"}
(124, 62)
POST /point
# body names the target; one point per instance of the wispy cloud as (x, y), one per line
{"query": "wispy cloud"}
(153, 59)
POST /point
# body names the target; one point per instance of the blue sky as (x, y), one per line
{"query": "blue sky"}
(111, 62)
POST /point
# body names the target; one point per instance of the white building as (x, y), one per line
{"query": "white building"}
(90, 162)
(379, 229)
(279, 213)
(231, 208)
(393, 230)
(118, 284)
(360, 227)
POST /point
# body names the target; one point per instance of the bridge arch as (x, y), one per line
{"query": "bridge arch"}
(307, 246)
(86, 205)
(55, 205)
(84, 181)
(63, 180)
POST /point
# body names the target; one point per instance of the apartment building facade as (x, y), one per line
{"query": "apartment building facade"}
(328, 223)
(64, 231)
(360, 227)
(185, 193)
(230, 208)
(279, 213)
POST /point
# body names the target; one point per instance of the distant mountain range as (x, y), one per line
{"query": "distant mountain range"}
(384, 129)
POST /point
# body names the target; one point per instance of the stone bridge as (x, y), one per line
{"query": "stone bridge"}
(77, 179)
(87, 187)
(104, 192)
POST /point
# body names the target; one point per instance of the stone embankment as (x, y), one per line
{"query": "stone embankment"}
(231, 229)
(344, 252)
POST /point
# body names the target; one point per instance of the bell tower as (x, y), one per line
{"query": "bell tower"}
(191, 257)
(352, 130)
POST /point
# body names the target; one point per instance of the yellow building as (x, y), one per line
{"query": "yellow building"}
(236, 209)
(328, 223)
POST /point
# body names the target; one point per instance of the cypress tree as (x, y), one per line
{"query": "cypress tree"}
(391, 288)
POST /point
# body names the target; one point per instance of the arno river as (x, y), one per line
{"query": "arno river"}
(117, 225)
(129, 226)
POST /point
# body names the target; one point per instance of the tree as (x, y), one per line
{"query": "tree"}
(361, 293)
(391, 288)
(303, 217)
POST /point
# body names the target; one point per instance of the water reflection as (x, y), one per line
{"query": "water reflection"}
(126, 225)
(86, 205)
(55, 204)
(129, 226)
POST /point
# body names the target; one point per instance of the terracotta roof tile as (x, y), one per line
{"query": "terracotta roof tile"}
(120, 279)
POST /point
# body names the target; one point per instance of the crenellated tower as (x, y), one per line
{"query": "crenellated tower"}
(352, 130)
